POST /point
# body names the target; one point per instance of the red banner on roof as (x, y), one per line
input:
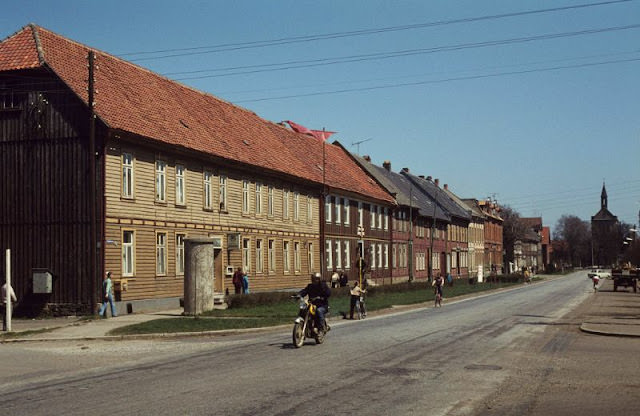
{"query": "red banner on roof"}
(318, 134)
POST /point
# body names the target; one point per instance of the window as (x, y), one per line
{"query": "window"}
(329, 254)
(379, 209)
(309, 209)
(270, 201)
(386, 256)
(161, 254)
(127, 175)
(180, 254)
(296, 257)
(223, 193)
(379, 256)
(258, 198)
(327, 208)
(310, 259)
(180, 185)
(338, 208)
(161, 181)
(285, 204)
(372, 249)
(246, 253)
(285, 256)
(360, 214)
(338, 256)
(386, 218)
(296, 206)
(207, 190)
(372, 208)
(346, 211)
(394, 262)
(347, 255)
(128, 253)
(245, 197)
(259, 257)
(272, 256)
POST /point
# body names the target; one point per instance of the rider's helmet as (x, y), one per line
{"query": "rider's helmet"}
(316, 277)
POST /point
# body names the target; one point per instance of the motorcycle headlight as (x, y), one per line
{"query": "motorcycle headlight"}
(302, 304)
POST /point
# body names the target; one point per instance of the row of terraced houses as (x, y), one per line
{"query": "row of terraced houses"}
(120, 184)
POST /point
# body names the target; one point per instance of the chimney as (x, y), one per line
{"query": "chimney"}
(367, 158)
(429, 178)
(406, 170)
(446, 187)
(421, 176)
(387, 165)
(437, 182)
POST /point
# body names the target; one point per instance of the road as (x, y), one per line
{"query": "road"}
(512, 352)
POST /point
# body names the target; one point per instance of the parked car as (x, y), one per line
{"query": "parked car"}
(601, 273)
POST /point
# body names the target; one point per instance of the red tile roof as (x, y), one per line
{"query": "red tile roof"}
(136, 100)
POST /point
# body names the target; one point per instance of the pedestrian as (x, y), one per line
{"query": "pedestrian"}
(449, 279)
(596, 280)
(245, 283)
(237, 281)
(107, 296)
(12, 295)
(335, 279)
(437, 285)
(344, 281)
(355, 292)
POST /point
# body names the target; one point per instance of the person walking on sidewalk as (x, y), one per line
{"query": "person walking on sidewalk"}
(3, 303)
(107, 296)
(596, 280)
(237, 281)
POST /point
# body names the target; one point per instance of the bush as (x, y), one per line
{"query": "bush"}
(260, 298)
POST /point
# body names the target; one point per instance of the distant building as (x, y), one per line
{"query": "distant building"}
(603, 233)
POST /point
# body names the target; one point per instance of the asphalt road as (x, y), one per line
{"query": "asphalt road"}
(511, 352)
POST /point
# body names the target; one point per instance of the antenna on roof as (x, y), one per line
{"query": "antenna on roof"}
(358, 144)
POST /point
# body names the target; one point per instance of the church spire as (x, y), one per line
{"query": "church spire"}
(603, 197)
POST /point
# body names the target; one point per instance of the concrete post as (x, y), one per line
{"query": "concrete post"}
(198, 275)
(7, 310)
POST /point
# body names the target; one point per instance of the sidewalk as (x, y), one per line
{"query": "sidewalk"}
(611, 313)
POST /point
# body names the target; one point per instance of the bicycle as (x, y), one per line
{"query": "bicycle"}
(361, 308)
(438, 299)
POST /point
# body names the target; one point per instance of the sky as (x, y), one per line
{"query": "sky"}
(534, 104)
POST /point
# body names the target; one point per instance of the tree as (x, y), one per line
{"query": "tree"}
(576, 234)
(513, 229)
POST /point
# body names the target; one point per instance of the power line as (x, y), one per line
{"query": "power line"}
(258, 68)
(363, 32)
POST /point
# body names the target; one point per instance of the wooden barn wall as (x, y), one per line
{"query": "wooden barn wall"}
(44, 210)
(146, 217)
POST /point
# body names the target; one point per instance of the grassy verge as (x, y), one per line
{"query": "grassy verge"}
(264, 309)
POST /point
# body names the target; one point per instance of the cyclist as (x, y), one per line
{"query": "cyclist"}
(318, 293)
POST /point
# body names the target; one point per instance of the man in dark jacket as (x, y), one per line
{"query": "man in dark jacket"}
(318, 293)
(237, 280)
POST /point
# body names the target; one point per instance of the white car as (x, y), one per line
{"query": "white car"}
(601, 273)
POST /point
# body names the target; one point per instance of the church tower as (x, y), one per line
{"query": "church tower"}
(603, 235)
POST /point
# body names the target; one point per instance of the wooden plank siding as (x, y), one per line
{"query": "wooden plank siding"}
(44, 191)
(146, 217)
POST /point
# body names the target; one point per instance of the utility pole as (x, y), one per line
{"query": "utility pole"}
(411, 231)
(433, 230)
(92, 185)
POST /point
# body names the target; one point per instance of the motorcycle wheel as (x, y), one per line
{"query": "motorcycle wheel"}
(298, 335)
(319, 337)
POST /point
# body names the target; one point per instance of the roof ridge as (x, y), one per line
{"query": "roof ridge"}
(36, 38)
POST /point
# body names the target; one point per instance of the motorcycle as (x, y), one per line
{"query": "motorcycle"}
(305, 324)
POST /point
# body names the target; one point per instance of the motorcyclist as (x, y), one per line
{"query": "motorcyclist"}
(318, 292)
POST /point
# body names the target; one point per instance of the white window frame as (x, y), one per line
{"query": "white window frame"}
(372, 249)
(327, 209)
(161, 253)
(207, 190)
(309, 209)
(296, 256)
(246, 255)
(180, 254)
(338, 209)
(128, 253)
(386, 255)
(222, 203)
(372, 210)
(270, 201)
(258, 198)
(296, 206)
(285, 204)
(245, 196)
(310, 257)
(161, 181)
(338, 258)
(380, 263)
(329, 254)
(259, 256)
(181, 191)
(271, 255)
(386, 218)
(128, 183)
(379, 211)
(286, 259)
(346, 209)
(360, 214)
(347, 255)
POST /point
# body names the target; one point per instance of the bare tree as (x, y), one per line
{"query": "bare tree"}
(576, 234)
(512, 229)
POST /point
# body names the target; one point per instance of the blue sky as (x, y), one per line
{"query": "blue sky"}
(534, 109)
